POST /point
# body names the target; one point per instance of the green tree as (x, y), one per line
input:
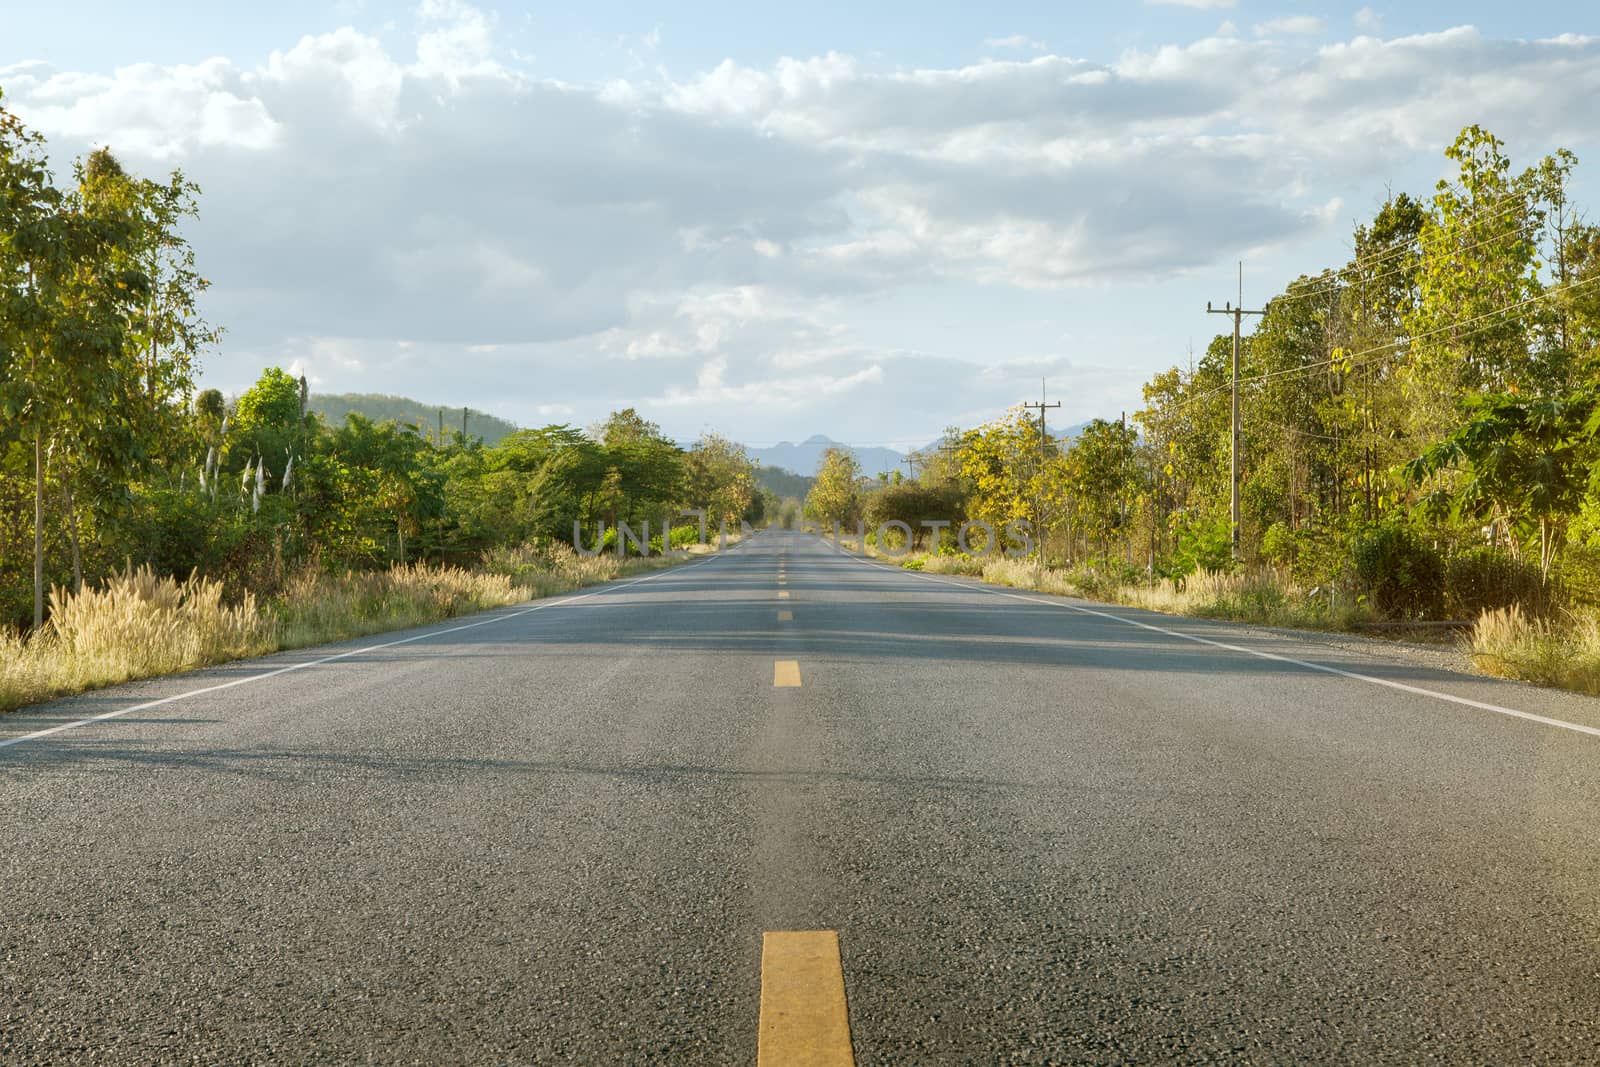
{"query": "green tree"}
(834, 496)
(1523, 464)
(722, 480)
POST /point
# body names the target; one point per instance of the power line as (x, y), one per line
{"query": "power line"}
(1274, 375)
(1338, 283)
(1395, 248)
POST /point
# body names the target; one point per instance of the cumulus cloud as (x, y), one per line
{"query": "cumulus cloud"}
(397, 217)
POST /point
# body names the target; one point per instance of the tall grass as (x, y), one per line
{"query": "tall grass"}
(318, 607)
(1265, 595)
(1510, 644)
(136, 625)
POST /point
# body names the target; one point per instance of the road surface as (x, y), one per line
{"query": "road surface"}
(1041, 831)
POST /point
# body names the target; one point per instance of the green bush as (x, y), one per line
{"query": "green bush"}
(1485, 578)
(1202, 544)
(1278, 544)
(1403, 575)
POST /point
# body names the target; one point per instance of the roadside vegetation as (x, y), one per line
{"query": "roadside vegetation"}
(148, 527)
(1420, 441)
(137, 624)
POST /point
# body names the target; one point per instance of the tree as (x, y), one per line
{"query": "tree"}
(1479, 259)
(1102, 476)
(834, 496)
(74, 288)
(1523, 464)
(721, 478)
(1014, 475)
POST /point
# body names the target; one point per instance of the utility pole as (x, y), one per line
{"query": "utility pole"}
(1044, 459)
(463, 427)
(1122, 496)
(911, 465)
(1238, 313)
(440, 439)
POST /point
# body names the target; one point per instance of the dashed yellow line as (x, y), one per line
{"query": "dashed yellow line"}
(783, 594)
(804, 1019)
(786, 674)
(786, 616)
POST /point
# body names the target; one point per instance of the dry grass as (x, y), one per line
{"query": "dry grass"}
(548, 569)
(1264, 596)
(135, 625)
(1507, 643)
(318, 607)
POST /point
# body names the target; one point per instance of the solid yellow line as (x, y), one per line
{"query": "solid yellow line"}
(786, 616)
(786, 674)
(804, 1019)
(783, 594)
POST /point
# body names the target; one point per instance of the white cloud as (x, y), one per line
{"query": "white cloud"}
(1368, 19)
(1016, 42)
(457, 41)
(394, 217)
(1289, 25)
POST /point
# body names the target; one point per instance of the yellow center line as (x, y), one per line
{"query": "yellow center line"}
(786, 616)
(783, 594)
(804, 1019)
(786, 674)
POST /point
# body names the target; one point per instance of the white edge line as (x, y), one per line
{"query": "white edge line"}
(982, 587)
(147, 705)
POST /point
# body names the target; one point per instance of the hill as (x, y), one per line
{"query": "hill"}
(803, 457)
(333, 407)
(785, 483)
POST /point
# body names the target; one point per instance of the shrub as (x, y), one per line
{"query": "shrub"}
(1484, 578)
(1404, 576)
(1278, 544)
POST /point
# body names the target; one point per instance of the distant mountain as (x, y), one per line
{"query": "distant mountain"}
(333, 407)
(802, 458)
(1070, 433)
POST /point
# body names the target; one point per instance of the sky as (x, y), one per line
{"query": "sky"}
(869, 221)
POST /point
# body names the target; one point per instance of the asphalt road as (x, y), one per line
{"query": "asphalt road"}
(1043, 836)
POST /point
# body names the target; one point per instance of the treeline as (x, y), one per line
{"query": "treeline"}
(251, 493)
(1421, 423)
(109, 457)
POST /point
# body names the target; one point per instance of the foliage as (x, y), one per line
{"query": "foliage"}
(1404, 575)
(834, 496)
(1484, 578)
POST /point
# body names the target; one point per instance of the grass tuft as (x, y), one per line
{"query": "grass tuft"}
(1510, 644)
(134, 625)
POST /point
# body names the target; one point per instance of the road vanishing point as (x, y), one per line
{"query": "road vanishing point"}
(789, 806)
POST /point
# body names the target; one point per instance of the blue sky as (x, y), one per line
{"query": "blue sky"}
(869, 221)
